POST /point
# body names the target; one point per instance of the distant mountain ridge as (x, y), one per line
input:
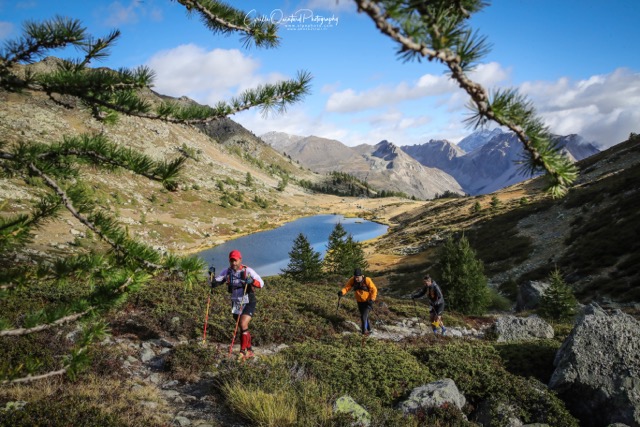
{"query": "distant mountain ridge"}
(384, 165)
(494, 161)
(483, 162)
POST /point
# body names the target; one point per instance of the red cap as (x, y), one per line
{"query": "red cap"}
(235, 254)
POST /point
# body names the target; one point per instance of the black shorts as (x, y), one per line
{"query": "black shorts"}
(437, 309)
(249, 308)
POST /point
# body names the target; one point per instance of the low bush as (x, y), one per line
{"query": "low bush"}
(480, 374)
(58, 412)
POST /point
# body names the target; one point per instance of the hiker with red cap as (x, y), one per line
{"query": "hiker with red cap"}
(366, 292)
(241, 282)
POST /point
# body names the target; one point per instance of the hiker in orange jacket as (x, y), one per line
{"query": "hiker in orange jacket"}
(366, 294)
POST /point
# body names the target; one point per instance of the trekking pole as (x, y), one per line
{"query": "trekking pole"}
(417, 315)
(212, 275)
(235, 331)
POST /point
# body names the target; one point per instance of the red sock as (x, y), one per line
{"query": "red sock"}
(245, 340)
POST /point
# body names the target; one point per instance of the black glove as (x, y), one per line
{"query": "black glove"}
(413, 297)
(340, 293)
(212, 277)
(370, 302)
(249, 281)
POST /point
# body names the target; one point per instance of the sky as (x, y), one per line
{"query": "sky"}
(577, 61)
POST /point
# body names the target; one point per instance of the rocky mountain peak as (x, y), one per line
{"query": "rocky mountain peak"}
(385, 150)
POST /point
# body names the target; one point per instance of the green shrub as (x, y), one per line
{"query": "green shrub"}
(58, 412)
(498, 302)
(187, 361)
(374, 374)
(529, 358)
(479, 373)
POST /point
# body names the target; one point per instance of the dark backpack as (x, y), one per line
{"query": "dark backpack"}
(362, 286)
(243, 277)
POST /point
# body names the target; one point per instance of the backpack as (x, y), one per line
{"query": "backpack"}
(362, 286)
(243, 277)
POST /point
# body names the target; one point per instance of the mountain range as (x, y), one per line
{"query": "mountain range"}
(483, 162)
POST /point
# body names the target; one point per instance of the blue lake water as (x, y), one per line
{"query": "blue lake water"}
(267, 252)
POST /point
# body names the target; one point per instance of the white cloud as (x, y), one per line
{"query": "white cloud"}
(490, 74)
(602, 108)
(6, 30)
(118, 14)
(351, 101)
(428, 85)
(207, 77)
(295, 122)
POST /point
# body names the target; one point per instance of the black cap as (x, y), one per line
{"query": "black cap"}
(357, 272)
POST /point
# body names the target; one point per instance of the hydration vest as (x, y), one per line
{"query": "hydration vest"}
(231, 287)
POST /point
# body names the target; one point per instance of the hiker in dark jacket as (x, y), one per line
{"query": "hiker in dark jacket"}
(366, 292)
(436, 301)
(241, 282)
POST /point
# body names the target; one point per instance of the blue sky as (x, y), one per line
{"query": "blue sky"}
(576, 60)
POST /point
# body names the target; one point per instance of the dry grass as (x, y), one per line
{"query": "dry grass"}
(132, 403)
(263, 409)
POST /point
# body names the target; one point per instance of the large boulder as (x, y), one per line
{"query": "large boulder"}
(598, 369)
(433, 395)
(529, 294)
(512, 328)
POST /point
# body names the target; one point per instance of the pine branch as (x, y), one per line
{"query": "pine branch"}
(66, 201)
(30, 378)
(41, 37)
(451, 43)
(221, 18)
(100, 152)
(274, 97)
(39, 328)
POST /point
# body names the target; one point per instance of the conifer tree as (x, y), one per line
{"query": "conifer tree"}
(56, 180)
(464, 283)
(438, 30)
(344, 254)
(353, 257)
(335, 250)
(305, 264)
(558, 302)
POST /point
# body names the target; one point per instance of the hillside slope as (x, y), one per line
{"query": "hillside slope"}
(215, 201)
(592, 235)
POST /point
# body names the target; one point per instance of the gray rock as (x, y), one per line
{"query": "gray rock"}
(512, 328)
(529, 294)
(497, 413)
(346, 404)
(181, 421)
(433, 395)
(598, 369)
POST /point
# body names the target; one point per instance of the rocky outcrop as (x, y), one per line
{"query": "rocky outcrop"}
(433, 395)
(529, 294)
(512, 328)
(598, 369)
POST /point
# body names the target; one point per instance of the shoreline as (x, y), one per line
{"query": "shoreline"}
(383, 215)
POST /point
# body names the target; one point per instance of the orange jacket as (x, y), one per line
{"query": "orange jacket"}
(361, 294)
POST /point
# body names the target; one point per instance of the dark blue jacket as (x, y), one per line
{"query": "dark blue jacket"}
(433, 292)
